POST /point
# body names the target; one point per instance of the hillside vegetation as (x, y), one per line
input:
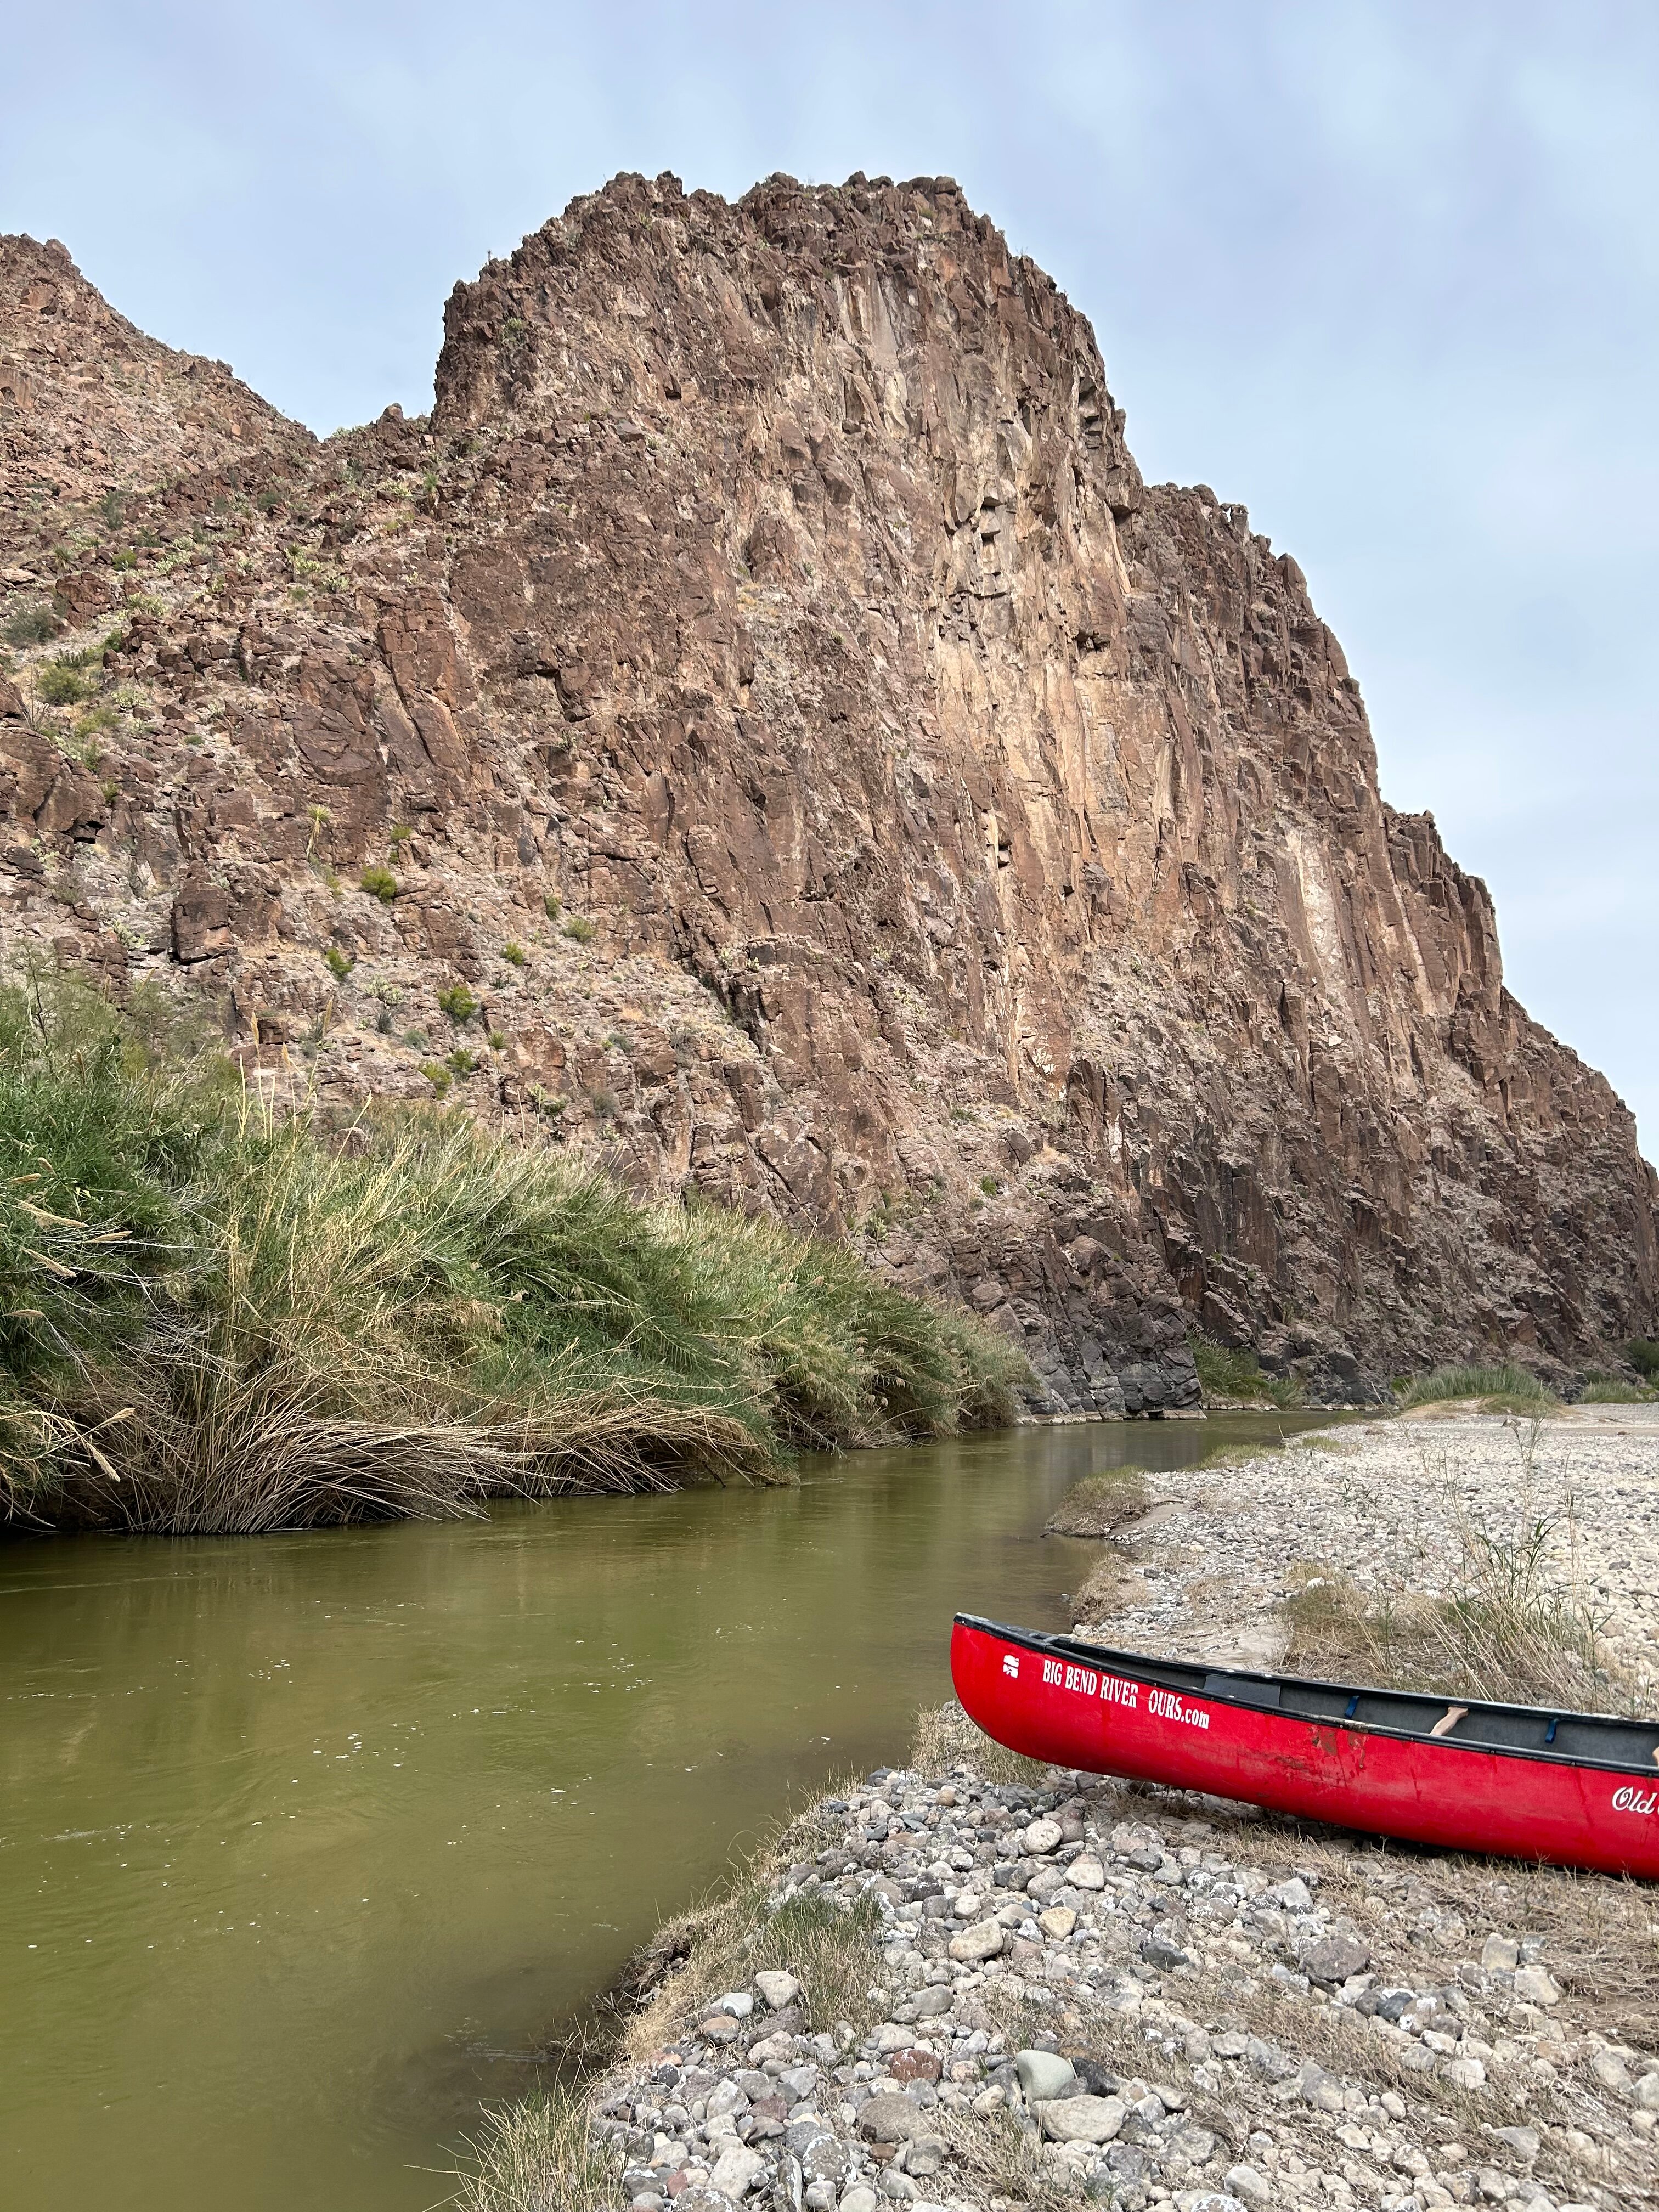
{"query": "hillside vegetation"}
(213, 1317)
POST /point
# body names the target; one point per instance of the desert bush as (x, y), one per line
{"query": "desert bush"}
(380, 883)
(61, 685)
(1226, 1372)
(32, 623)
(457, 1002)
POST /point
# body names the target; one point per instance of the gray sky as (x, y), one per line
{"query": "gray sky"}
(1389, 274)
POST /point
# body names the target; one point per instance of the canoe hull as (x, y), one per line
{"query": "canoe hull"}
(1091, 1716)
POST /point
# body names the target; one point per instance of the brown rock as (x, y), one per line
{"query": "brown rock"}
(889, 2119)
(201, 921)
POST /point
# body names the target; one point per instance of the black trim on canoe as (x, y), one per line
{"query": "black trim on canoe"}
(1562, 1739)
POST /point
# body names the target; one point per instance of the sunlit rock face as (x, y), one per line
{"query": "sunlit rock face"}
(970, 848)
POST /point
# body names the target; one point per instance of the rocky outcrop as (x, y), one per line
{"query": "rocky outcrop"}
(766, 685)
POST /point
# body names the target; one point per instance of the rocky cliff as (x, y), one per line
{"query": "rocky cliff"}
(762, 729)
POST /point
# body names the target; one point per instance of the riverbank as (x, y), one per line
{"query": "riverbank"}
(977, 1994)
(980, 1985)
(216, 1318)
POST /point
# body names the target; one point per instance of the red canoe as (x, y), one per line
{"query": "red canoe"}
(1570, 1788)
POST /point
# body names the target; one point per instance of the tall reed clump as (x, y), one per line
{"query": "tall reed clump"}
(211, 1319)
(1226, 1373)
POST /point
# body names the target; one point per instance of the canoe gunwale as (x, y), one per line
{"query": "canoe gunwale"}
(1144, 1666)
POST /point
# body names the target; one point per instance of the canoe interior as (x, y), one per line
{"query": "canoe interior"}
(1525, 1731)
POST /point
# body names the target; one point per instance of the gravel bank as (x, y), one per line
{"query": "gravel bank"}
(1087, 1994)
(1082, 1992)
(1396, 1505)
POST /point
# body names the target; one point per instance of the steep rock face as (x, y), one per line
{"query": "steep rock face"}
(969, 847)
(89, 405)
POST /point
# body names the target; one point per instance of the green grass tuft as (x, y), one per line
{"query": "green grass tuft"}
(1508, 1389)
(1601, 1391)
(380, 883)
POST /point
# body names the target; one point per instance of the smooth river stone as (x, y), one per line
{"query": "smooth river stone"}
(737, 2170)
(1082, 2119)
(1044, 2074)
(982, 1940)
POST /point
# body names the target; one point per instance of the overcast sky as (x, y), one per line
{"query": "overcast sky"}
(1388, 274)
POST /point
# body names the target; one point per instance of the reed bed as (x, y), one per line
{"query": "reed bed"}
(214, 1319)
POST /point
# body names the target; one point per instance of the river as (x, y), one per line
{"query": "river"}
(308, 1843)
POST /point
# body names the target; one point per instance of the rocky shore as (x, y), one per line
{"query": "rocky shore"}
(1082, 1993)
(981, 1985)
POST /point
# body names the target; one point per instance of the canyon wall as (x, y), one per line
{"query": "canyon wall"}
(834, 782)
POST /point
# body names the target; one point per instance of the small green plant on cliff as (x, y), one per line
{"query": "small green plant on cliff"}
(515, 953)
(1225, 1372)
(340, 964)
(551, 907)
(61, 685)
(380, 883)
(580, 929)
(459, 1003)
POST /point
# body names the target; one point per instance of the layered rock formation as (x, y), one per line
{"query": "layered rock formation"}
(767, 687)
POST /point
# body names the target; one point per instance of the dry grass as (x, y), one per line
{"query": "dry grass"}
(1001, 2159)
(1101, 1504)
(1507, 1633)
(539, 2156)
(945, 1738)
(725, 1942)
(1102, 1586)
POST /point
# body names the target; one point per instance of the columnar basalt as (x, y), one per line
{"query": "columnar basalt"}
(766, 682)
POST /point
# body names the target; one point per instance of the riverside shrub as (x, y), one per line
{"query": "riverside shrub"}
(218, 1319)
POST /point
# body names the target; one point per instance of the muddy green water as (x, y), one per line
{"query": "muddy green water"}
(307, 1844)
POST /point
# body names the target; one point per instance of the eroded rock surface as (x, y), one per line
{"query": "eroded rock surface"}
(965, 845)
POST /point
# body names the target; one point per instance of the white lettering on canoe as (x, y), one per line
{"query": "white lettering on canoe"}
(1165, 1705)
(1635, 1801)
(1010, 1664)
